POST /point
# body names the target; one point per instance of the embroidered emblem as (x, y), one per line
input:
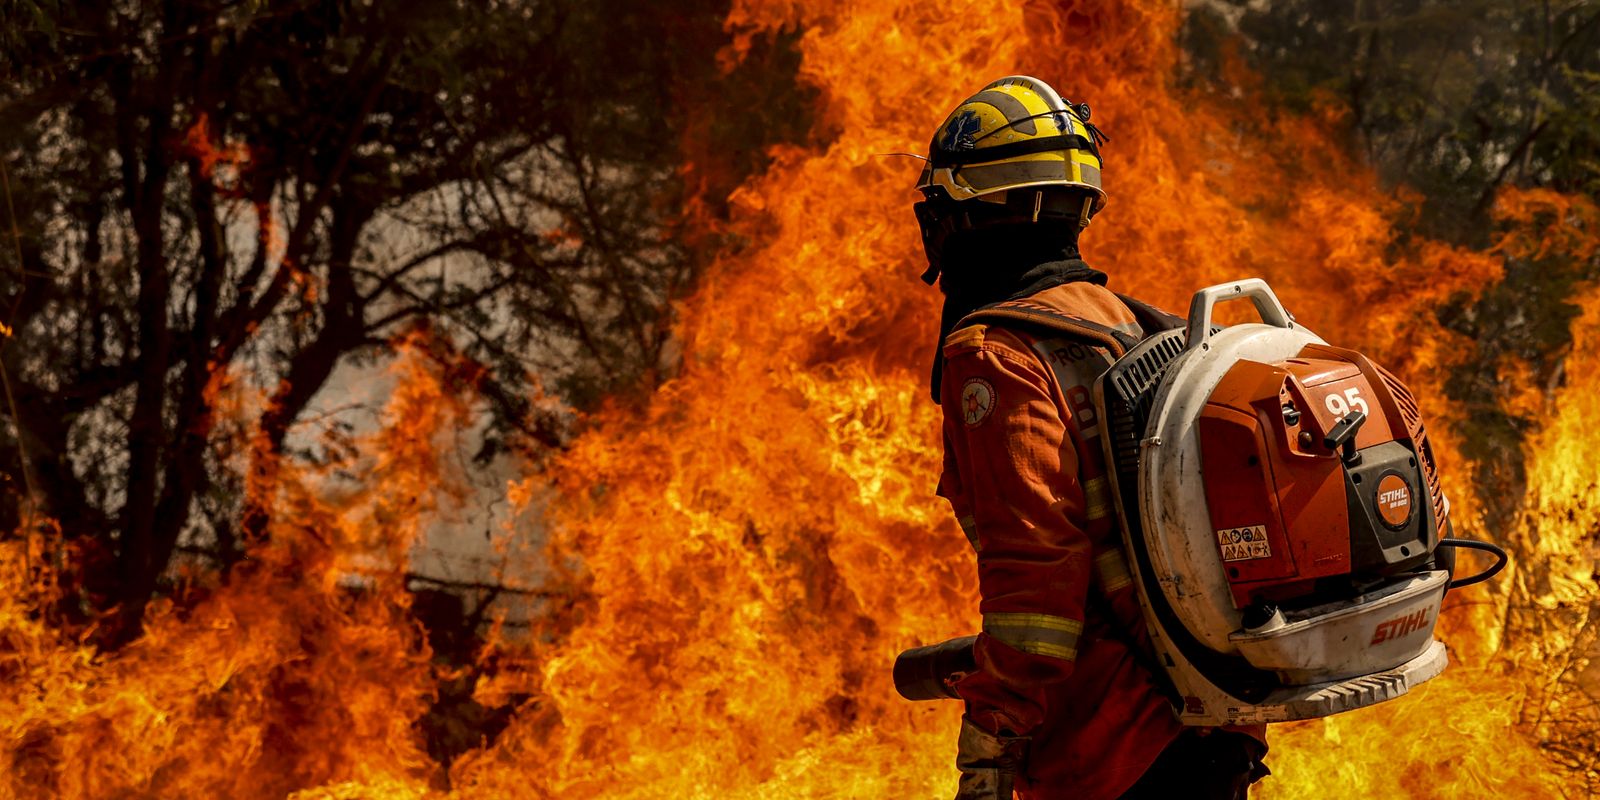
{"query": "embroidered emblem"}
(959, 134)
(977, 400)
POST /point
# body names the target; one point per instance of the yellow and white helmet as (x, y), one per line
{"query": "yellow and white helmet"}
(1015, 133)
(1015, 152)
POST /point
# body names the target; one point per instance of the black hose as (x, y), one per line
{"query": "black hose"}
(1469, 544)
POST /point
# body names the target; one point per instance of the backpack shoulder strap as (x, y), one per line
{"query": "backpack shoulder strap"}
(1151, 319)
(1045, 322)
(1040, 320)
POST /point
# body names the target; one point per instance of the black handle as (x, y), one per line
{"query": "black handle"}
(1343, 434)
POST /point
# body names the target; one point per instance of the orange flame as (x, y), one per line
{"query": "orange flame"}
(749, 550)
(220, 161)
(303, 669)
(761, 541)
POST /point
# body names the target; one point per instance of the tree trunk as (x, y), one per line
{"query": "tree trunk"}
(139, 565)
(343, 329)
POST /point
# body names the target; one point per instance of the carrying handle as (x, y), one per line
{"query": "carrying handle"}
(1272, 312)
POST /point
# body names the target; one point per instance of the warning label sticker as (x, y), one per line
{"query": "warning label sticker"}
(1241, 544)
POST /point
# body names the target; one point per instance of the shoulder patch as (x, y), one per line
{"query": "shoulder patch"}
(964, 339)
(977, 400)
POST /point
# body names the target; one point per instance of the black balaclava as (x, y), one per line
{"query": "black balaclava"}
(993, 265)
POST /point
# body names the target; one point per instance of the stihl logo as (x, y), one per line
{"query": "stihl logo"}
(1400, 626)
(1394, 501)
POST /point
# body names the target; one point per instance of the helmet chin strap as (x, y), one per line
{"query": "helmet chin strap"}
(1083, 216)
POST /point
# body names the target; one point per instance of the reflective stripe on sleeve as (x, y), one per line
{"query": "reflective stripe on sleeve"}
(1112, 571)
(1097, 498)
(1039, 634)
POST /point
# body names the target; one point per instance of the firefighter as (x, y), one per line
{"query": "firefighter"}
(1060, 703)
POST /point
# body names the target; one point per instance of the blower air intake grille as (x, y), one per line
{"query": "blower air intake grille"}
(1402, 396)
(1419, 440)
(1132, 383)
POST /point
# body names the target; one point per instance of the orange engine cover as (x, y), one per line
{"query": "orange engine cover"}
(1280, 500)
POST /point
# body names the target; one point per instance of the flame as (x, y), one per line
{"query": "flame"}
(742, 556)
(286, 676)
(761, 540)
(226, 162)
(220, 161)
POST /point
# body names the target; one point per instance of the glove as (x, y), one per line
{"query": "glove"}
(989, 764)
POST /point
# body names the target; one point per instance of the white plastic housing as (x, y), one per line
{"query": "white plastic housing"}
(1347, 639)
(1173, 507)
(1327, 659)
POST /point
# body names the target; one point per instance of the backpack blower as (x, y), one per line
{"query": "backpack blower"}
(1281, 517)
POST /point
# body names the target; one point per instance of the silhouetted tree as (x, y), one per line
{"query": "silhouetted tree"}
(278, 188)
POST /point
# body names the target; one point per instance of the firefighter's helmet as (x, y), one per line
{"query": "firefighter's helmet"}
(1015, 151)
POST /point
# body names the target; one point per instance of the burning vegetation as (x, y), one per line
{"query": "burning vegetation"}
(733, 554)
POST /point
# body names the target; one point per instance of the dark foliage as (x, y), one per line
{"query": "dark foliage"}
(278, 189)
(1453, 99)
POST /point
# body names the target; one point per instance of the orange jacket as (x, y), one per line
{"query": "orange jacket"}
(1025, 475)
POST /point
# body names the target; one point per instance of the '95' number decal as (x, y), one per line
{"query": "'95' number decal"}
(1340, 404)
